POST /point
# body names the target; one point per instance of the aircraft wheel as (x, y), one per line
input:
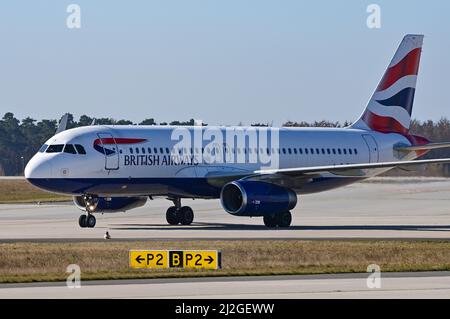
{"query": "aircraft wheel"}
(91, 221)
(270, 221)
(82, 221)
(284, 219)
(186, 215)
(172, 216)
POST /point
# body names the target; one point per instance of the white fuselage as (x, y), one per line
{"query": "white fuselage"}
(160, 155)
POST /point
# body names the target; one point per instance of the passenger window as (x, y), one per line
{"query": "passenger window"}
(43, 148)
(323, 151)
(149, 149)
(312, 150)
(306, 151)
(161, 150)
(289, 150)
(284, 151)
(345, 151)
(131, 150)
(143, 150)
(356, 151)
(137, 150)
(350, 151)
(317, 151)
(167, 150)
(56, 148)
(339, 151)
(300, 151)
(69, 149)
(295, 151)
(334, 151)
(328, 151)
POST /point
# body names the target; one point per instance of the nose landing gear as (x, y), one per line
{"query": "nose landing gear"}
(178, 214)
(88, 220)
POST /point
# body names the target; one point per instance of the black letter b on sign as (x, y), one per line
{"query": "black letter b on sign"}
(175, 259)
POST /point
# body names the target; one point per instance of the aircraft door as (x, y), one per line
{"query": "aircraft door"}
(373, 148)
(110, 149)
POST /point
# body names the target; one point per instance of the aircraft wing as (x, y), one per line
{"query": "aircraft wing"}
(346, 169)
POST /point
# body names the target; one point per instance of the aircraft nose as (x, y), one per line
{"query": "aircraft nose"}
(38, 167)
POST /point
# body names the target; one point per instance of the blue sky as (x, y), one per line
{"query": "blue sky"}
(221, 61)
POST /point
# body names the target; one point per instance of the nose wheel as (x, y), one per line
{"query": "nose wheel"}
(87, 221)
(178, 214)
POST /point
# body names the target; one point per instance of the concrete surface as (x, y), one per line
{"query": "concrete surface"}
(384, 208)
(402, 285)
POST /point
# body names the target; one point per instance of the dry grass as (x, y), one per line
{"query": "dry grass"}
(26, 262)
(19, 190)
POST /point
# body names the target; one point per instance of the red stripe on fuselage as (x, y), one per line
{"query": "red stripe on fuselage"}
(119, 140)
(409, 65)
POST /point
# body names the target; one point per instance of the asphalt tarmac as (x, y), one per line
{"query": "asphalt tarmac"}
(389, 208)
(392, 285)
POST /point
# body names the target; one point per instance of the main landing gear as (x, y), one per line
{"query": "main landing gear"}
(88, 220)
(178, 214)
(282, 219)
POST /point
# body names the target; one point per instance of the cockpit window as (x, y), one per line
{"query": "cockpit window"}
(55, 148)
(43, 148)
(80, 149)
(69, 149)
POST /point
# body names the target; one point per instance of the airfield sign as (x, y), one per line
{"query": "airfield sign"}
(164, 259)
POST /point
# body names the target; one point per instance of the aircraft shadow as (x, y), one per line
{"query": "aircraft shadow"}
(227, 226)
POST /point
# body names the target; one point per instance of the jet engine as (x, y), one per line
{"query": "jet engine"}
(254, 198)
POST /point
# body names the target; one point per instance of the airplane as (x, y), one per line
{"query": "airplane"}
(254, 171)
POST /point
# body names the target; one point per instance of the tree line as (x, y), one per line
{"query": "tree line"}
(20, 139)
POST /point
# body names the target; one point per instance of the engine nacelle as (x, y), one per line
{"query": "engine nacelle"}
(111, 204)
(253, 198)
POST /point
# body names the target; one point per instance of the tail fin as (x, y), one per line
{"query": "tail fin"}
(389, 109)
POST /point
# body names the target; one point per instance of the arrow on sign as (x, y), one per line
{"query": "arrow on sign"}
(209, 259)
(139, 259)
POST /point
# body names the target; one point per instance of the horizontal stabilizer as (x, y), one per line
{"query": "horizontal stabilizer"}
(429, 146)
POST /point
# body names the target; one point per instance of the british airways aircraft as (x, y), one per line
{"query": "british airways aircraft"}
(253, 171)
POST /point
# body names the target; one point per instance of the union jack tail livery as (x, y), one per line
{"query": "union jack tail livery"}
(389, 109)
